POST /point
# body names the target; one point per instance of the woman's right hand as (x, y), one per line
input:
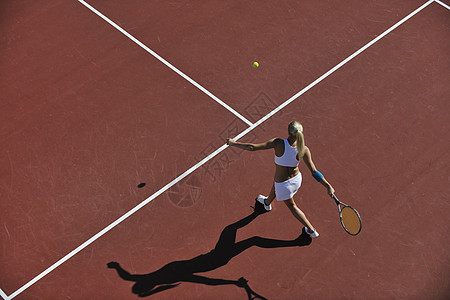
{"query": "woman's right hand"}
(331, 190)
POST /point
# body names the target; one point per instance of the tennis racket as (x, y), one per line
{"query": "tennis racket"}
(350, 219)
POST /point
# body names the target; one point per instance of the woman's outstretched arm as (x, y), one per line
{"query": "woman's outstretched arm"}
(253, 147)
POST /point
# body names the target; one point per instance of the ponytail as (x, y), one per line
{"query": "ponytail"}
(296, 128)
(300, 144)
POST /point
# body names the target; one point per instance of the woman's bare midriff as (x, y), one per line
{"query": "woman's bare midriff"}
(284, 173)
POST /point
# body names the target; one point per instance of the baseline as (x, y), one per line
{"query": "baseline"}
(210, 156)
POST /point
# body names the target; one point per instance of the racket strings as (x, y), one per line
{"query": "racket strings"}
(350, 220)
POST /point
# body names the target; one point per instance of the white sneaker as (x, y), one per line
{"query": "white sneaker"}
(313, 234)
(261, 199)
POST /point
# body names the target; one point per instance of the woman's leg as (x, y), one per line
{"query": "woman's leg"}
(271, 196)
(262, 204)
(298, 214)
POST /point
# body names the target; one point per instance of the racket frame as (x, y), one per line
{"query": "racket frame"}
(339, 203)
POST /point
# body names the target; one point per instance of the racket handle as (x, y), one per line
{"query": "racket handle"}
(336, 199)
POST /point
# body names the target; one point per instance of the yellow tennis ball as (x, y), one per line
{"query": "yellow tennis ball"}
(255, 64)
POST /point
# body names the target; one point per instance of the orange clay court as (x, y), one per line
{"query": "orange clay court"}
(98, 97)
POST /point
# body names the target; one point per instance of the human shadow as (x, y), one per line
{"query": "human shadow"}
(172, 274)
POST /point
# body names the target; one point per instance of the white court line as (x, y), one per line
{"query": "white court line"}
(443, 4)
(166, 63)
(2, 293)
(209, 157)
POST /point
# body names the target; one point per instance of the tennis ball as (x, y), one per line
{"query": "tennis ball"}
(255, 64)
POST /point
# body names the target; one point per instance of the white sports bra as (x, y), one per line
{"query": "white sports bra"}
(289, 157)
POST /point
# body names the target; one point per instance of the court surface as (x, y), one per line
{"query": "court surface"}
(100, 96)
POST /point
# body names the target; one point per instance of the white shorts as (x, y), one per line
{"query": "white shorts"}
(287, 189)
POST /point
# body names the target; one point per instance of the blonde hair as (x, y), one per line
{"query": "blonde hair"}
(296, 128)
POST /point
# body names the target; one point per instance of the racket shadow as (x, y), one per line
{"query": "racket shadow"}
(176, 272)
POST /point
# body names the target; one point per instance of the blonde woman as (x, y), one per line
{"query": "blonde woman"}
(288, 179)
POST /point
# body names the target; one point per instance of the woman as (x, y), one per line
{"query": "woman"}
(287, 181)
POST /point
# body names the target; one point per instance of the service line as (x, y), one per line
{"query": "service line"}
(210, 156)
